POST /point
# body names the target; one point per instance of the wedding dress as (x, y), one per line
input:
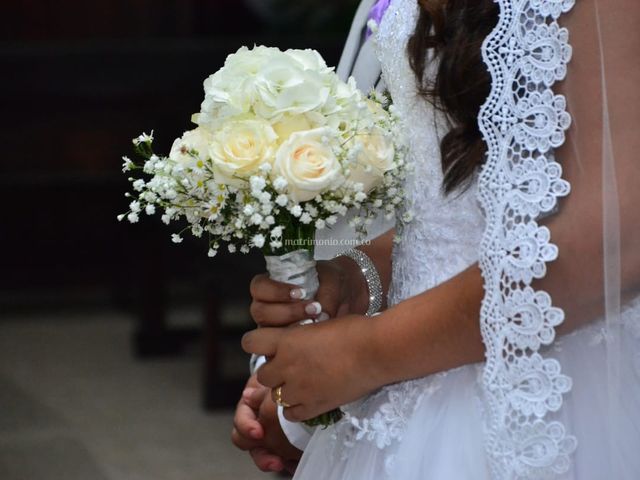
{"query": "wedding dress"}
(541, 407)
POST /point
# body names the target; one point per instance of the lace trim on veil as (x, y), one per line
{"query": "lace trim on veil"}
(522, 122)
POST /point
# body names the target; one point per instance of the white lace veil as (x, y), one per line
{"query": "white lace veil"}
(561, 252)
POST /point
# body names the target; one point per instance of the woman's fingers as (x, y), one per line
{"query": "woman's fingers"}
(263, 341)
(283, 314)
(270, 375)
(298, 413)
(280, 397)
(264, 289)
(255, 397)
(266, 461)
(245, 422)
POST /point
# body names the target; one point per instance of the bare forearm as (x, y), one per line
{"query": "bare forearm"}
(440, 329)
(432, 332)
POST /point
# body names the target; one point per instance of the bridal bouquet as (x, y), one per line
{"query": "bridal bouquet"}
(282, 148)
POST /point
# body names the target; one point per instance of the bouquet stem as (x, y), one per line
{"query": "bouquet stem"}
(299, 268)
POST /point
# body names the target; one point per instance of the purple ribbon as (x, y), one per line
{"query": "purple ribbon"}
(376, 13)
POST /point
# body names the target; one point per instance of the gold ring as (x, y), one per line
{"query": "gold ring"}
(279, 401)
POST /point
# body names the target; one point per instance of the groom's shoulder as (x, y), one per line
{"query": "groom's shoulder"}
(358, 58)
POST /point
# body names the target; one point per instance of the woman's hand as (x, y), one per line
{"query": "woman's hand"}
(342, 290)
(256, 429)
(319, 366)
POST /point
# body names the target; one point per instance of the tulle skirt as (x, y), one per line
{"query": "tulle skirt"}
(434, 428)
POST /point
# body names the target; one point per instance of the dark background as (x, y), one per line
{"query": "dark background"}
(79, 80)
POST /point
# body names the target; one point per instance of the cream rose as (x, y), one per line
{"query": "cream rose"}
(374, 160)
(308, 164)
(240, 147)
(192, 149)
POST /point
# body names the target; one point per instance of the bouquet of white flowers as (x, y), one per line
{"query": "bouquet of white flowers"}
(282, 148)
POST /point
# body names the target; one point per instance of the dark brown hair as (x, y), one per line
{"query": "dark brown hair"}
(455, 30)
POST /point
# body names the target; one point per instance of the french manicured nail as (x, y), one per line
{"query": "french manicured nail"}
(313, 308)
(298, 293)
(254, 434)
(324, 316)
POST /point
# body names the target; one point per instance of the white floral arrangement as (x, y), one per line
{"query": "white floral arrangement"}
(282, 148)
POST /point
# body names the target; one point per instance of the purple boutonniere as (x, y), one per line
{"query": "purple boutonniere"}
(376, 14)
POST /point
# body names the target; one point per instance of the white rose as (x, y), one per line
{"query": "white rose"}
(240, 148)
(250, 61)
(282, 87)
(308, 165)
(374, 160)
(231, 90)
(309, 60)
(192, 149)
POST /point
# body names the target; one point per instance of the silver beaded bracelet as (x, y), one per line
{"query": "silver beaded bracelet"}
(374, 285)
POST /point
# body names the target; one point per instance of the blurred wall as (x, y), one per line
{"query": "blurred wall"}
(79, 80)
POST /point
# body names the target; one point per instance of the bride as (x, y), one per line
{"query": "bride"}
(508, 342)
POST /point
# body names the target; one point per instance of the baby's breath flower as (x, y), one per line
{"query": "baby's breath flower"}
(232, 248)
(139, 185)
(197, 230)
(258, 240)
(265, 197)
(256, 219)
(176, 238)
(276, 231)
(144, 138)
(150, 209)
(212, 252)
(257, 183)
(407, 217)
(280, 183)
(127, 164)
(296, 210)
(275, 244)
(265, 168)
(320, 224)
(135, 206)
(282, 200)
(306, 218)
(249, 210)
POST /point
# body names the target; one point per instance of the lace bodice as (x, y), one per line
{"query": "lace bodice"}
(444, 233)
(440, 240)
